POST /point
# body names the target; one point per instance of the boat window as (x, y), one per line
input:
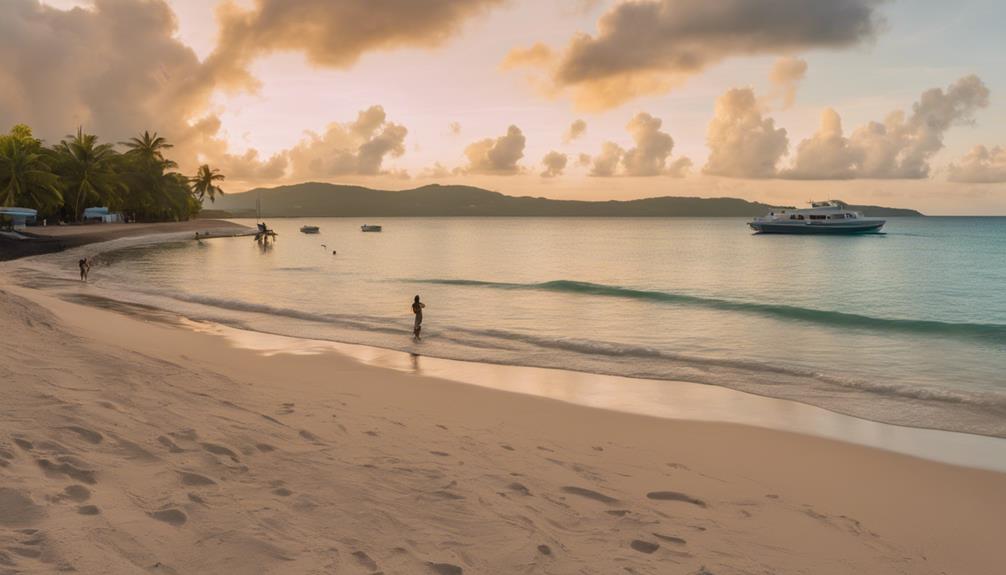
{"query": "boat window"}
(799, 217)
(813, 217)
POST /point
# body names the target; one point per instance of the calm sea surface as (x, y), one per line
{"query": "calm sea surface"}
(907, 327)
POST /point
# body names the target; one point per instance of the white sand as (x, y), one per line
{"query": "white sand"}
(132, 446)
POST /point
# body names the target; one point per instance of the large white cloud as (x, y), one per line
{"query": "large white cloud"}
(356, 148)
(743, 143)
(899, 147)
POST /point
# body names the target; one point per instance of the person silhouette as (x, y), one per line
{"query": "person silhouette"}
(85, 266)
(417, 308)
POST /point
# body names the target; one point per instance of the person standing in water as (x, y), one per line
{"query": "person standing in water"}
(417, 308)
(85, 266)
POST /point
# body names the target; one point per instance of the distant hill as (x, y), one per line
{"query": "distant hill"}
(315, 199)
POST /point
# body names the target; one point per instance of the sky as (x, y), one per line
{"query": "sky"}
(898, 102)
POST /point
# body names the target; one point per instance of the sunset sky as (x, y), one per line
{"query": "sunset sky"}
(897, 102)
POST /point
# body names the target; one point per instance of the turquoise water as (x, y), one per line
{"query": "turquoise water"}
(906, 327)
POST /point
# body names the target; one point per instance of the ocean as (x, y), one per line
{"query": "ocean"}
(905, 327)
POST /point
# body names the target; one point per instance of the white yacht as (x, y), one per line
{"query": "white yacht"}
(831, 217)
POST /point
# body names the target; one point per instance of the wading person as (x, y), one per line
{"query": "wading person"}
(85, 266)
(417, 308)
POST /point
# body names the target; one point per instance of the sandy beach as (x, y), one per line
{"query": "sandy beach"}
(48, 239)
(131, 444)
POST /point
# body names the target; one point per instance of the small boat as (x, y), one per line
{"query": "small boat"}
(309, 229)
(370, 228)
(831, 217)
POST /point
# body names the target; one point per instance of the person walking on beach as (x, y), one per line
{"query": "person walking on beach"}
(417, 308)
(85, 266)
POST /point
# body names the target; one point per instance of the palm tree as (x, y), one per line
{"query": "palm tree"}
(88, 170)
(26, 178)
(202, 185)
(150, 148)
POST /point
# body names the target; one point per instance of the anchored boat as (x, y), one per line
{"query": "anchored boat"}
(370, 228)
(309, 229)
(831, 217)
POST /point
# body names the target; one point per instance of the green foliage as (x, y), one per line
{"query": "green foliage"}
(25, 176)
(204, 185)
(80, 172)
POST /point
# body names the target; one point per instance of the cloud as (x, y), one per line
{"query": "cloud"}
(116, 69)
(356, 148)
(649, 157)
(827, 155)
(537, 54)
(606, 163)
(499, 156)
(899, 147)
(436, 171)
(576, 129)
(786, 75)
(649, 46)
(980, 166)
(555, 163)
(742, 143)
(331, 34)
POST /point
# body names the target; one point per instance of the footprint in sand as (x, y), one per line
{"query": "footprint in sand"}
(310, 436)
(507, 447)
(170, 516)
(282, 492)
(77, 493)
(644, 546)
(24, 444)
(544, 550)
(172, 447)
(194, 479)
(88, 510)
(365, 560)
(519, 488)
(87, 435)
(264, 447)
(219, 450)
(670, 539)
(445, 569)
(674, 496)
(589, 494)
(440, 453)
(67, 466)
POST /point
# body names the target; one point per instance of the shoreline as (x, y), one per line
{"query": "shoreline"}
(733, 404)
(43, 240)
(293, 461)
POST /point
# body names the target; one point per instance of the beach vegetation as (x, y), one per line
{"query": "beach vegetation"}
(134, 177)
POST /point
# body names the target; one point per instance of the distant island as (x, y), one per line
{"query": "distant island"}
(315, 199)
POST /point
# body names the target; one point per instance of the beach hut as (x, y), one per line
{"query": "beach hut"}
(101, 215)
(18, 218)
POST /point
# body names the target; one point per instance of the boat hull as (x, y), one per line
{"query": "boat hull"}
(815, 228)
